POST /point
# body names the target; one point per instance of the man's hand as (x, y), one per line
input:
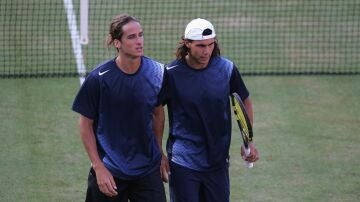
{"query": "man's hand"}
(253, 156)
(105, 181)
(164, 168)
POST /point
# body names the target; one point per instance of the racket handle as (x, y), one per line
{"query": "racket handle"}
(247, 153)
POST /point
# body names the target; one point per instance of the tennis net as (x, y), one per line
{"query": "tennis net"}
(40, 38)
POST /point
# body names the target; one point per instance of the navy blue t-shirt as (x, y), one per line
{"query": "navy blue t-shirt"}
(200, 114)
(121, 106)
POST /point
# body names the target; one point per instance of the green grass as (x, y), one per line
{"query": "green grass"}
(41, 155)
(306, 130)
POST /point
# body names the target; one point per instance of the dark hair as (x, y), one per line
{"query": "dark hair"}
(182, 50)
(115, 30)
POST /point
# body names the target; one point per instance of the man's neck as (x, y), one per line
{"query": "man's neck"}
(192, 63)
(129, 65)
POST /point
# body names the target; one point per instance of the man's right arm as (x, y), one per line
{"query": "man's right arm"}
(104, 178)
(88, 138)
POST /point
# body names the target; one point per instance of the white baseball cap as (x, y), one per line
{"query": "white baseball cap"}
(199, 29)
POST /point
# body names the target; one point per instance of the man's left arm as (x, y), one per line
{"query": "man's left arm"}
(254, 155)
(158, 127)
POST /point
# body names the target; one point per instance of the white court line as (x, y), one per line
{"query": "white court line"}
(75, 39)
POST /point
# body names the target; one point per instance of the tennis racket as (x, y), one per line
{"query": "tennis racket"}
(244, 124)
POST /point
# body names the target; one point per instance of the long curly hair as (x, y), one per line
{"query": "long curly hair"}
(182, 50)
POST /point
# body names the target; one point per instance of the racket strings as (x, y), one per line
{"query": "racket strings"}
(240, 117)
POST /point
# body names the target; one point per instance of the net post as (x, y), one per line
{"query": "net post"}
(84, 16)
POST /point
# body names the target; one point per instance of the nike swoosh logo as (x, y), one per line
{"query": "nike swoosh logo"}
(102, 73)
(171, 67)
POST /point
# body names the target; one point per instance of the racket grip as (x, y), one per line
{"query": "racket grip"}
(247, 153)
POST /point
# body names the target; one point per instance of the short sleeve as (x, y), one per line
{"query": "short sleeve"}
(86, 101)
(237, 84)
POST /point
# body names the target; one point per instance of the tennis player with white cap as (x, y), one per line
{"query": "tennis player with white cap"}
(201, 82)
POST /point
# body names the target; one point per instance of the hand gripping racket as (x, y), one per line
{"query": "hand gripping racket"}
(244, 124)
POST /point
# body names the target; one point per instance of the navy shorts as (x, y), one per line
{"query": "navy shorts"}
(187, 185)
(149, 188)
